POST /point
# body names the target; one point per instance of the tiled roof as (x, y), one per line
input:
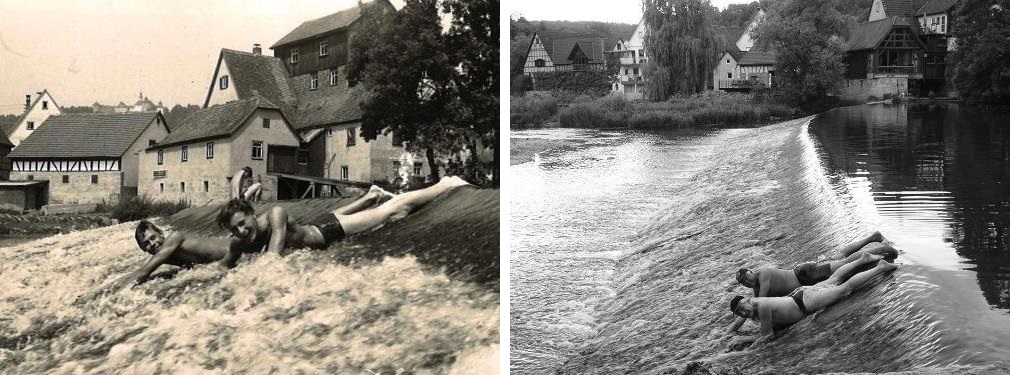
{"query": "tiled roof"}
(251, 74)
(868, 35)
(757, 57)
(894, 8)
(560, 44)
(7, 129)
(7, 126)
(327, 104)
(4, 140)
(323, 25)
(936, 6)
(84, 135)
(215, 122)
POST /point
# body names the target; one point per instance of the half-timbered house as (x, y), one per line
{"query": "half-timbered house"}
(743, 67)
(88, 158)
(558, 51)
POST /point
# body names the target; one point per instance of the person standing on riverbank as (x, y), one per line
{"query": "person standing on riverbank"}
(242, 185)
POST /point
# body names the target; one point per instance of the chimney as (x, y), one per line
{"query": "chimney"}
(257, 50)
(28, 101)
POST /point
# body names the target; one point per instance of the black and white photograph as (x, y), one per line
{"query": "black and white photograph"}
(250, 187)
(759, 187)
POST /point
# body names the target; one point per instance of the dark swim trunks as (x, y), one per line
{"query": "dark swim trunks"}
(797, 295)
(331, 229)
(812, 273)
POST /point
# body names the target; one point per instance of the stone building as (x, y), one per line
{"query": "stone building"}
(196, 162)
(87, 158)
(742, 67)
(37, 110)
(306, 79)
(631, 53)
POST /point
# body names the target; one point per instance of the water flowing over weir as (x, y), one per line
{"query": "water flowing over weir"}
(414, 296)
(748, 198)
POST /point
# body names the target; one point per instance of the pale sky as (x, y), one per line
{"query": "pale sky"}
(108, 51)
(623, 11)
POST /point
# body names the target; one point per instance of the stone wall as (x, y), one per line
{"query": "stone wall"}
(863, 89)
(196, 171)
(79, 189)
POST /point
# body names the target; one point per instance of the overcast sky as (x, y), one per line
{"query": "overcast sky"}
(109, 50)
(624, 11)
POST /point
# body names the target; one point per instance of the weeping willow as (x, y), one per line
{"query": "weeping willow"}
(681, 46)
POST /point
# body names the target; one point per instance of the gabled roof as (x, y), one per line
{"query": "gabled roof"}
(560, 44)
(323, 25)
(756, 57)
(326, 105)
(8, 129)
(868, 35)
(251, 74)
(85, 135)
(936, 6)
(215, 122)
(895, 8)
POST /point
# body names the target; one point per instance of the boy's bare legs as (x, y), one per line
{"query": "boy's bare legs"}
(836, 277)
(366, 201)
(396, 207)
(854, 246)
(818, 298)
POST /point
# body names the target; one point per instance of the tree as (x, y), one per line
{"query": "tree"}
(681, 46)
(979, 66)
(804, 35)
(437, 91)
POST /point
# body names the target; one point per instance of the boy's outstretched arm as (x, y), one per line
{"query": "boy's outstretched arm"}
(171, 244)
(278, 229)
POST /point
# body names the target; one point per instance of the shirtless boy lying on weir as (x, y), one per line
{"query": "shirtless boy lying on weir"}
(275, 230)
(780, 312)
(775, 282)
(185, 249)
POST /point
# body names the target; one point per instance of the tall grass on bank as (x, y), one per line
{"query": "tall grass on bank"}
(705, 109)
(534, 109)
(143, 207)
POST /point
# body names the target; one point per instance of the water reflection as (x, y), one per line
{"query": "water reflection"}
(938, 177)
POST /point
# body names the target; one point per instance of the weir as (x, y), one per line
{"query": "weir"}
(418, 295)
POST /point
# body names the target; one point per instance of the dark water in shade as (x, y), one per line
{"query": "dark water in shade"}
(625, 260)
(416, 296)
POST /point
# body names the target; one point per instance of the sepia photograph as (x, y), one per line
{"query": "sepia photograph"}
(759, 187)
(250, 187)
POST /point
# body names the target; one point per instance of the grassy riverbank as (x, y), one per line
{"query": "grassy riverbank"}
(708, 109)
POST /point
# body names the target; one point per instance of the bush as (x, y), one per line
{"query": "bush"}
(532, 110)
(609, 112)
(143, 207)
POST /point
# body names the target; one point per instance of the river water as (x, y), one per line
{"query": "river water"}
(625, 244)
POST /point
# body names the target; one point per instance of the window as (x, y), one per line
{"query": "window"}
(727, 61)
(151, 142)
(351, 137)
(396, 168)
(324, 48)
(636, 71)
(625, 71)
(539, 63)
(210, 150)
(266, 123)
(31, 125)
(162, 187)
(397, 140)
(223, 82)
(329, 132)
(314, 81)
(45, 104)
(206, 186)
(417, 168)
(66, 179)
(182, 187)
(94, 179)
(641, 53)
(303, 157)
(344, 173)
(729, 75)
(161, 157)
(333, 77)
(185, 153)
(257, 150)
(294, 56)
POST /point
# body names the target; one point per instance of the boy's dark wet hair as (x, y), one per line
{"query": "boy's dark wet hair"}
(229, 210)
(741, 274)
(248, 171)
(142, 227)
(734, 303)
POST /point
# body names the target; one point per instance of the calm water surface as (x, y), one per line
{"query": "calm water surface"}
(624, 246)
